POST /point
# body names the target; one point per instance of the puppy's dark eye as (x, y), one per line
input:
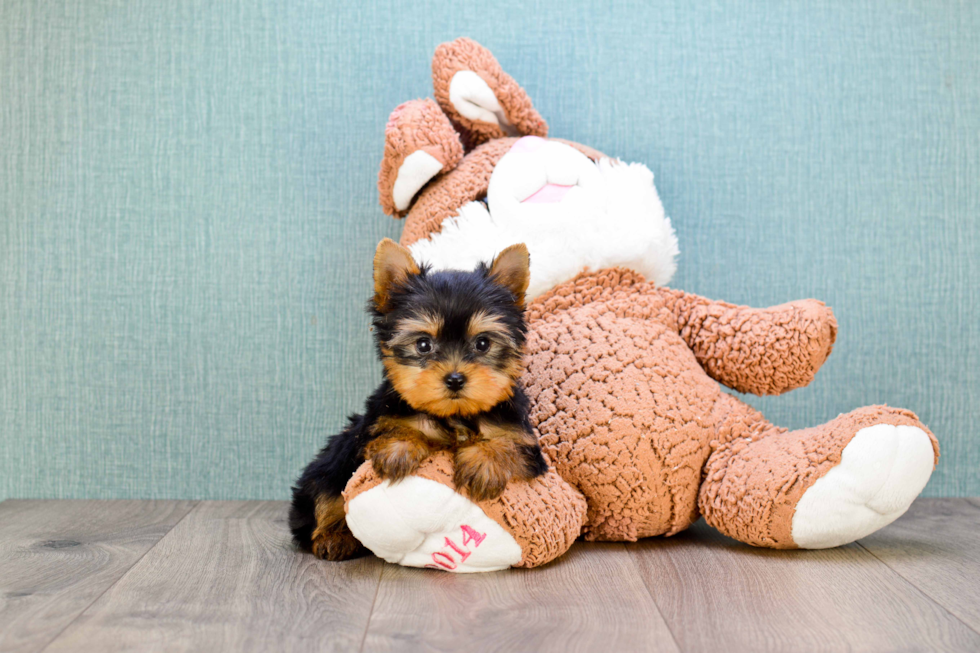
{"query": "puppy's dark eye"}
(482, 343)
(423, 345)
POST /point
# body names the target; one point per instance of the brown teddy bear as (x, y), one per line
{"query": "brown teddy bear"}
(623, 373)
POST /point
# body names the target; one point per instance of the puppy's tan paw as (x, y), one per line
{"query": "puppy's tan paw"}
(483, 469)
(395, 458)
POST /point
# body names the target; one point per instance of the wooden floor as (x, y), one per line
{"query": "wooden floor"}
(212, 576)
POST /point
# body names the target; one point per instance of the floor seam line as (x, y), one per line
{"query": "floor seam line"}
(374, 601)
(917, 588)
(116, 582)
(670, 630)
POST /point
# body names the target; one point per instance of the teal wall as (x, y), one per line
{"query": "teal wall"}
(188, 208)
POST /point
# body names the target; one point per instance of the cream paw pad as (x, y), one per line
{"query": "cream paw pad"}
(422, 521)
(881, 471)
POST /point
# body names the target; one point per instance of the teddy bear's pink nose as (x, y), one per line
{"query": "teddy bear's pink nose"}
(549, 194)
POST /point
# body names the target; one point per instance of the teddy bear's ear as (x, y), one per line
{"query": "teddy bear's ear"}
(420, 143)
(479, 97)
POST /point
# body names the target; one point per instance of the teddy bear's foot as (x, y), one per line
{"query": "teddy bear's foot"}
(819, 487)
(881, 471)
(422, 521)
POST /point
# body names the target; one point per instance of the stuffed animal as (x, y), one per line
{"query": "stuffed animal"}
(623, 373)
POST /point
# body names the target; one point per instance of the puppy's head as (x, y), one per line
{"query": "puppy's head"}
(451, 342)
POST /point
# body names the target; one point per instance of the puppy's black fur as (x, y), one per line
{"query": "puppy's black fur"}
(451, 344)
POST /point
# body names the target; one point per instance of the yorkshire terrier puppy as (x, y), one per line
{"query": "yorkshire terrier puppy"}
(451, 344)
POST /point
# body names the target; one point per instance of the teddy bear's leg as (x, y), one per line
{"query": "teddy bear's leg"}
(818, 487)
(422, 521)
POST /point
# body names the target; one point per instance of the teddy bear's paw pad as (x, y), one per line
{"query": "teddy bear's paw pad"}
(421, 523)
(882, 470)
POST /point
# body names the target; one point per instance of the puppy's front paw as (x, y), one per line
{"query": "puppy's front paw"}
(395, 458)
(336, 544)
(484, 468)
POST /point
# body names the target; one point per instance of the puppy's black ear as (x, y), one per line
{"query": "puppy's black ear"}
(392, 265)
(512, 270)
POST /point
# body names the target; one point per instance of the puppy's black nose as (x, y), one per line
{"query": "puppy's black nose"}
(455, 381)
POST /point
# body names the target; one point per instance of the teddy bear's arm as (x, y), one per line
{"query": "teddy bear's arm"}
(763, 351)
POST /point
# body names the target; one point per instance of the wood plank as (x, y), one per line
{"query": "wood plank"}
(718, 594)
(591, 599)
(228, 578)
(936, 547)
(57, 557)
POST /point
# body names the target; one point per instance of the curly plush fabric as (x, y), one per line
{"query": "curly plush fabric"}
(616, 373)
(544, 516)
(623, 406)
(466, 55)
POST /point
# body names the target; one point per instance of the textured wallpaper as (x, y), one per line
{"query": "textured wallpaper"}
(188, 208)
